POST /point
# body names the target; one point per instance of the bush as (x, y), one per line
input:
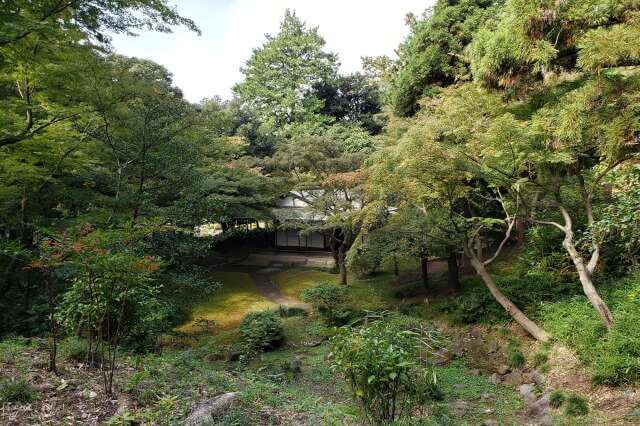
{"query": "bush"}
(556, 399)
(77, 350)
(514, 353)
(262, 331)
(327, 299)
(576, 405)
(16, 391)
(381, 364)
(293, 311)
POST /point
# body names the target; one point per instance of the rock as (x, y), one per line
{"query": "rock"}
(92, 394)
(487, 397)
(513, 378)
(495, 379)
(474, 372)
(492, 346)
(207, 411)
(503, 369)
(442, 357)
(537, 412)
(214, 356)
(526, 392)
(456, 349)
(635, 413)
(459, 407)
(535, 377)
(490, 422)
(234, 356)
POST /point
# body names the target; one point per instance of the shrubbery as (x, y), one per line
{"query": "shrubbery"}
(381, 363)
(262, 331)
(18, 390)
(328, 299)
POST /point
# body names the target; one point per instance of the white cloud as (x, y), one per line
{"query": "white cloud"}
(209, 65)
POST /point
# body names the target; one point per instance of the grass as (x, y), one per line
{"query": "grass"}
(238, 296)
(371, 293)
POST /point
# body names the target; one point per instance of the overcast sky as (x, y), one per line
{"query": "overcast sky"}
(208, 65)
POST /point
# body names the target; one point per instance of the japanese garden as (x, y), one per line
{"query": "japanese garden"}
(448, 236)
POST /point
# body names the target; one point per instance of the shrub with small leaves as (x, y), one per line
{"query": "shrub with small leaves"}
(327, 298)
(262, 331)
(18, 390)
(576, 405)
(556, 398)
(381, 364)
(514, 353)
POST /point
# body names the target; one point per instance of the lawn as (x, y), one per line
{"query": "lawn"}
(371, 293)
(227, 307)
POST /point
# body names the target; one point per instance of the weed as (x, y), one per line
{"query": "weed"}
(576, 405)
(556, 398)
(514, 353)
(18, 390)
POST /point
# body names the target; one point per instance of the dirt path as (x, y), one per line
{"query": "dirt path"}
(261, 277)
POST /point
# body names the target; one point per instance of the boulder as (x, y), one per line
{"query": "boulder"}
(526, 392)
(503, 369)
(514, 378)
(495, 379)
(209, 410)
(456, 349)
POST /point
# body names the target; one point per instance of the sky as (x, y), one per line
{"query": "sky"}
(209, 65)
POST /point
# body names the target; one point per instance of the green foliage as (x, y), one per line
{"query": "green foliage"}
(381, 364)
(328, 299)
(433, 53)
(557, 398)
(262, 331)
(515, 356)
(613, 356)
(17, 390)
(280, 98)
(576, 405)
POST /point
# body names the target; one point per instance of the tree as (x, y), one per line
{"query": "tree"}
(280, 74)
(321, 164)
(433, 54)
(434, 168)
(352, 99)
(93, 17)
(580, 102)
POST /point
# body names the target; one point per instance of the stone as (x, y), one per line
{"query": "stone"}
(486, 397)
(234, 356)
(514, 378)
(474, 372)
(635, 412)
(92, 394)
(526, 392)
(537, 412)
(442, 357)
(503, 369)
(492, 346)
(459, 407)
(456, 349)
(495, 379)
(490, 422)
(209, 410)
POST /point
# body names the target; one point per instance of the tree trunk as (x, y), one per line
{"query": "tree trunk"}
(531, 327)
(342, 264)
(453, 276)
(521, 233)
(424, 263)
(587, 283)
(396, 268)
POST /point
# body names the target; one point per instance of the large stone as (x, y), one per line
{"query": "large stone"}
(208, 411)
(514, 378)
(503, 369)
(526, 392)
(456, 349)
(490, 422)
(492, 346)
(495, 379)
(537, 412)
(459, 407)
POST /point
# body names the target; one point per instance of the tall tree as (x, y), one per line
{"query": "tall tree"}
(280, 74)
